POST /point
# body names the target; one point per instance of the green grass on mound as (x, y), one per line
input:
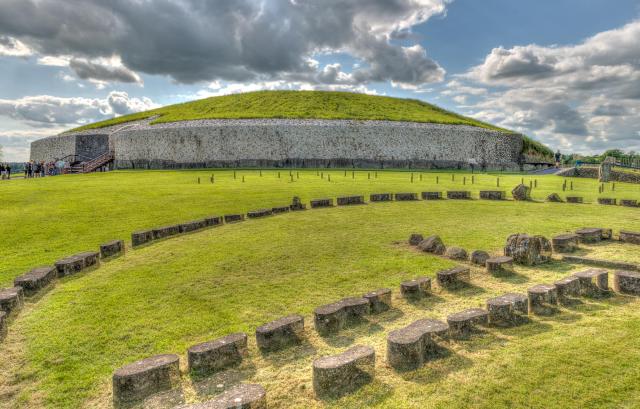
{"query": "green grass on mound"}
(63, 346)
(300, 105)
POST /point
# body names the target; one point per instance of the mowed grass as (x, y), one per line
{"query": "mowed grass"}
(63, 347)
(300, 105)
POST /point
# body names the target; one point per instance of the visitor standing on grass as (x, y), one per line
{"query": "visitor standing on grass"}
(558, 157)
(8, 170)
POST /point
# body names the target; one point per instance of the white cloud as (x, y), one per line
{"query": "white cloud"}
(12, 47)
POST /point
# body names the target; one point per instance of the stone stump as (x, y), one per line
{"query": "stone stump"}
(216, 220)
(331, 318)
(3, 325)
(589, 235)
(233, 218)
(35, 280)
(499, 265)
(521, 192)
(245, 396)
(343, 373)
(415, 239)
(432, 244)
(565, 243)
(480, 257)
(138, 238)
(90, 258)
(193, 225)
(627, 282)
(628, 203)
(401, 197)
(280, 209)
(593, 282)
(379, 300)
(213, 356)
(456, 253)
(415, 288)
(381, 197)
(257, 214)
(11, 299)
(575, 199)
(554, 198)
(458, 195)
(453, 278)
(462, 324)
(69, 265)
(166, 231)
(296, 204)
(350, 200)
(112, 248)
(492, 195)
(411, 346)
(607, 201)
(431, 195)
(508, 310)
(280, 333)
(543, 299)
(141, 379)
(630, 237)
(528, 250)
(568, 288)
(318, 203)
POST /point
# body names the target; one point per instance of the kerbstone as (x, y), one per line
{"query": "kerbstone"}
(455, 277)
(630, 237)
(607, 201)
(528, 250)
(331, 318)
(628, 203)
(139, 380)
(480, 257)
(413, 345)
(415, 239)
(379, 300)
(233, 218)
(458, 195)
(493, 195)
(499, 265)
(456, 253)
(166, 231)
(463, 323)
(350, 200)
(112, 248)
(508, 309)
(318, 203)
(543, 299)
(593, 282)
(568, 288)
(256, 214)
(193, 225)
(627, 282)
(11, 299)
(381, 197)
(213, 356)
(36, 279)
(431, 195)
(415, 288)
(401, 197)
(565, 243)
(554, 198)
(432, 244)
(3, 325)
(138, 238)
(343, 373)
(575, 199)
(280, 333)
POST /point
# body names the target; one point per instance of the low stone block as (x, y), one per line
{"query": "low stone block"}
(492, 195)
(193, 225)
(454, 277)
(508, 310)
(90, 258)
(528, 250)
(543, 299)
(331, 318)
(607, 201)
(413, 345)
(458, 195)
(381, 197)
(628, 203)
(317, 203)
(3, 325)
(256, 214)
(565, 243)
(462, 324)
(166, 231)
(112, 248)
(589, 235)
(278, 210)
(554, 198)
(402, 197)
(139, 380)
(593, 282)
(630, 237)
(431, 195)
(575, 199)
(345, 372)
(69, 265)
(568, 288)
(432, 244)
(36, 279)
(213, 356)
(350, 200)
(480, 257)
(233, 218)
(627, 282)
(415, 239)
(246, 396)
(138, 238)
(11, 299)
(379, 300)
(499, 265)
(415, 288)
(456, 253)
(280, 333)
(212, 221)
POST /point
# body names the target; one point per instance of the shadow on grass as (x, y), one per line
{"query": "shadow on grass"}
(443, 362)
(555, 266)
(425, 302)
(465, 290)
(291, 353)
(512, 277)
(214, 384)
(353, 331)
(373, 394)
(529, 327)
(163, 400)
(392, 314)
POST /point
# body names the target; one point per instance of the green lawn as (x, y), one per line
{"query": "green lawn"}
(63, 347)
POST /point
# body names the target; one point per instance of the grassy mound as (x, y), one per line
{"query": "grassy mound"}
(300, 105)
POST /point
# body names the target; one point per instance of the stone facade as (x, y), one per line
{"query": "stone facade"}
(299, 143)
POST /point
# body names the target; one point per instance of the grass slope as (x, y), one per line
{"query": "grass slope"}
(300, 105)
(63, 347)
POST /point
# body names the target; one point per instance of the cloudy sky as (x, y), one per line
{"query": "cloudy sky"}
(566, 72)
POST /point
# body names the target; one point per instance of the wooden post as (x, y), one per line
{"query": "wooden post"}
(198, 180)
(353, 175)
(260, 172)
(278, 175)
(412, 178)
(368, 175)
(242, 178)
(498, 182)
(572, 185)
(329, 177)
(473, 179)
(437, 180)
(234, 174)
(464, 180)
(297, 175)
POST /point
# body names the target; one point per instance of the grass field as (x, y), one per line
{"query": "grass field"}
(300, 105)
(63, 346)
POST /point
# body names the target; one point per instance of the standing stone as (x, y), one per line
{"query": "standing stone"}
(141, 379)
(415, 288)
(379, 300)
(593, 282)
(521, 192)
(630, 237)
(69, 265)
(627, 282)
(590, 235)
(543, 299)
(454, 277)
(343, 373)
(479, 257)
(568, 288)
(3, 325)
(432, 244)
(36, 279)
(415, 239)
(499, 265)
(219, 354)
(296, 204)
(245, 396)
(11, 299)
(280, 333)
(456, 253)
(565, 243)
(112, 248)
(554, 198)
(507, 310)
(528, 250)
(413, 345)
(463, 323)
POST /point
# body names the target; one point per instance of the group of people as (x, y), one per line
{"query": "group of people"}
(5, 171)
(34, 169)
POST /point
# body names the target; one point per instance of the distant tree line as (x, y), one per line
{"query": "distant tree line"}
(630, 158)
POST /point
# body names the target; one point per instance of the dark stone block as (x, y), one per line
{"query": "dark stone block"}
(402, 197)
(521, 192)
(627, 282)
(593, 282)
(507, 310)
(317, 203)
(528, 250)
(492, 195)
(565, 243)
(331, 318)
(379, 300)
(193, 226)
(543, 299)
(3, 325)
(574, 199)
(69, 265)
(246, 396)
(36, 279)
(280, 333)
(454, 277)
(212, 221)
(590, 235)
(499, 265)
(11, 299)
(166, 231)
(381, 197)
(112, 248)
(413, 345)
(432, 244)
(281, 209)
(607, 201)
(463, 323)
(459, 195)
(296, 204)
(415, 239)
(628, 203)
(431, 195)
(345, 372)
(568, 287)
(90, 258)
(141, 379)
(219, 354)
(256, 214)
(480, 257)
(350, 200)
(138, 238)
(554, 198)
(416, 288)
(233, 218)
(456, 253)
(630, 237)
